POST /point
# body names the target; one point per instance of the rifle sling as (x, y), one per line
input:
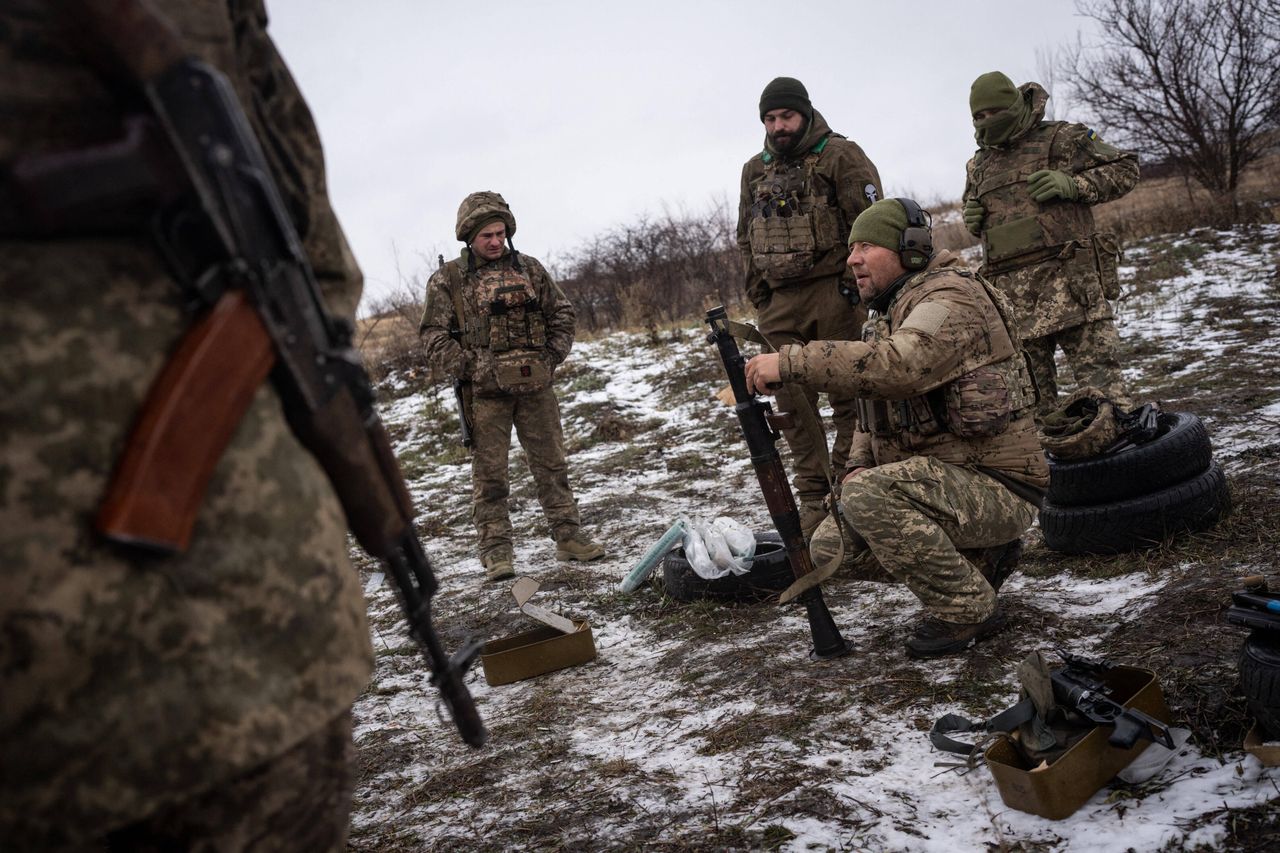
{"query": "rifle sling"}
(455, 290)
(1006, 721)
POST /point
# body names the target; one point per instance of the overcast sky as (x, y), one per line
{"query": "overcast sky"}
(585, 115)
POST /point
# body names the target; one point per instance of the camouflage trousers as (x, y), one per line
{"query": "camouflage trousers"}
(536, 418)
(299, 801)
(813, 312)
(1092, 349)
(914, 518)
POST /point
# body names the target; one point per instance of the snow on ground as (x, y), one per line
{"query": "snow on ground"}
(702, 726)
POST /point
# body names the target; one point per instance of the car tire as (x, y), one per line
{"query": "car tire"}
(770, 574)
(1181, 450)
(1260, 681)
(1140, 522)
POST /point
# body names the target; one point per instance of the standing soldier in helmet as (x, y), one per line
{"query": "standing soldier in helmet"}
(496, 320)
(1028, 194)
(799, 197)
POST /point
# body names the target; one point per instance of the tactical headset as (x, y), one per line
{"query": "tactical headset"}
(915, 246)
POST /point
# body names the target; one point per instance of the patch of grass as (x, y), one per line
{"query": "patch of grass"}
(574, 377)
(747, 729)
(688, 463)
(1163, 261)
(418, 462)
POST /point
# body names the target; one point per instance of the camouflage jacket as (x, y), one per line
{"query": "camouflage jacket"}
(461, 347)
(1047, 256)
(131, 681)
(835, 181)
(943, 335)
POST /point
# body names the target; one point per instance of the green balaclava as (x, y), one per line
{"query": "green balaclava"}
(881, 224)
(786, 93)
(995, 91)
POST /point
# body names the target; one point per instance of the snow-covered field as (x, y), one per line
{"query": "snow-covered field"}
(706, 727)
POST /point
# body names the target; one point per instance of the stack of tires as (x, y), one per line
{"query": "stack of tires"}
(1138, 496)
(769, 574)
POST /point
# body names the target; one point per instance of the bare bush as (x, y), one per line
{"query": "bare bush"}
(1192, 82)
(388, 336)
(655, 271)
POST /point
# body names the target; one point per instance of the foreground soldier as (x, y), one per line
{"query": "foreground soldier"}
(799, 197)
(1028, 194)
(193, 702)
(497, 321)
(949, 444)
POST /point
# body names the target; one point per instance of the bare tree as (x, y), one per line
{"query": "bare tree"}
(1194, 82)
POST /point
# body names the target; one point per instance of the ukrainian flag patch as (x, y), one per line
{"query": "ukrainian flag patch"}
(1093, 134)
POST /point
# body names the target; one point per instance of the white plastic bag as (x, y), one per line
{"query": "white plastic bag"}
(741, 541)
(695, 551)
(720, 548)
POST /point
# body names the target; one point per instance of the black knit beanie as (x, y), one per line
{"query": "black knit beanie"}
(786, 93)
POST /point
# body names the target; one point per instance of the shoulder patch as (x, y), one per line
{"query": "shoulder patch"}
(927, 318)
(1091, 134)
(870, 192)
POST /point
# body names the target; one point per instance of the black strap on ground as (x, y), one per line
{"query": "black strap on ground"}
(1006, 721)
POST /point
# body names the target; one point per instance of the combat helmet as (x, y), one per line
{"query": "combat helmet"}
(478, 210)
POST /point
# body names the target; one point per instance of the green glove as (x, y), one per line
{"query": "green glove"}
(1050, 183)
(974, 213)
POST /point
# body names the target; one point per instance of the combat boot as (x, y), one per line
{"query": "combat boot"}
(498, 564)
(578, 547)
(999, 562)
(933, 638)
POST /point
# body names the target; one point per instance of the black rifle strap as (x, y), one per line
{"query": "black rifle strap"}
(1006, 721)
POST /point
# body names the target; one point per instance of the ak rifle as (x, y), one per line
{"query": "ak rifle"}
(233, 248)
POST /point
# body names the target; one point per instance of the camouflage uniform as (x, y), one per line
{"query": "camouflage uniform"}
(1056, 269)
(133, 683)
(515, 316)
(946, 390)
(795, 266)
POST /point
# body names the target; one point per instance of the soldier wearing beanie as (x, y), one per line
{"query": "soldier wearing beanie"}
(799, 197)
(496, 321)
(1039, 242)
(945, 472)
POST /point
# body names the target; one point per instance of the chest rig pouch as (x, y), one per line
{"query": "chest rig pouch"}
(794, 218)
(1020, 230)
(517, 331)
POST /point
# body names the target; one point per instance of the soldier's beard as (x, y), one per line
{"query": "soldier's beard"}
(785, 143)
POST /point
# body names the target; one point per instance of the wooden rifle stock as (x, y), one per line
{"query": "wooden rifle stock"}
(755, 418)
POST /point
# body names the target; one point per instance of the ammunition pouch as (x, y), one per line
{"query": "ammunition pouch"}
(783, 246)
(513, 330)
(981, 403)
(521, 371)
(1029, 239)
(794, 220)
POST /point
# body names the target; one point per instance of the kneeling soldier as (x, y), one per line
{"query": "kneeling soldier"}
(496, 320)
(946, 459)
